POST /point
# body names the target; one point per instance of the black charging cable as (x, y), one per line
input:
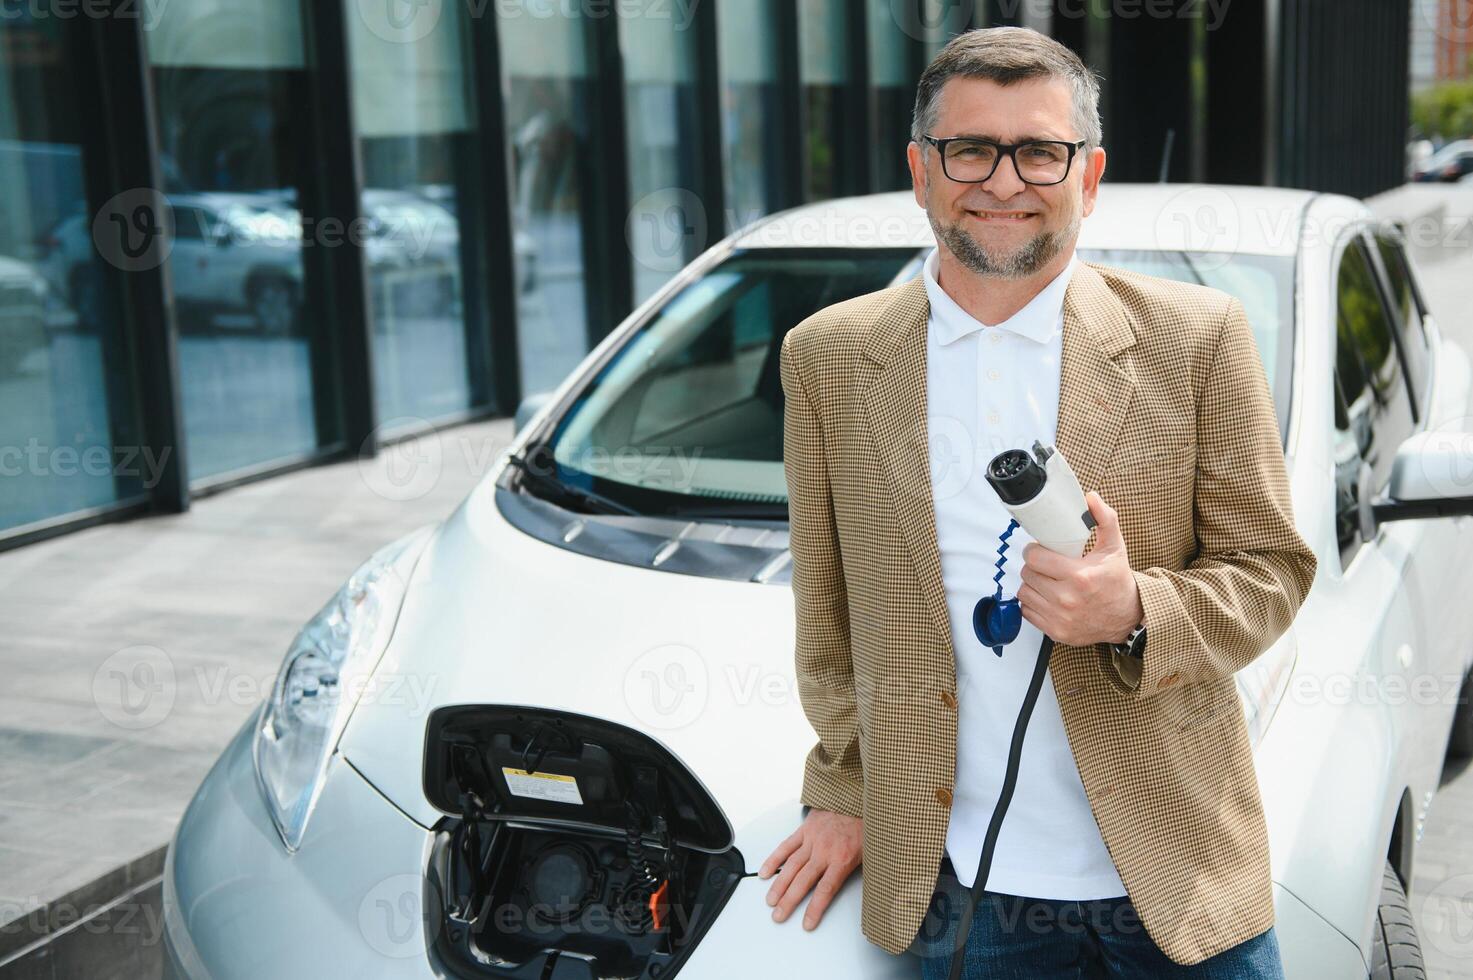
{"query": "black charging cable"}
(1009, 782)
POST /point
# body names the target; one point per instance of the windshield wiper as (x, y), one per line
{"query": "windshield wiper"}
(589, 499)
(736, 510)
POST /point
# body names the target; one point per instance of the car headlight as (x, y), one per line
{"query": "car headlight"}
(321, 679)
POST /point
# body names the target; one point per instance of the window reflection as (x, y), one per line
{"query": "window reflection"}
(1373, 412)
(668, 224)
(548, 96)
(67, 440)
(230, 82)
(750, 108)
(413, 110)
(892, 92)
(825, 70)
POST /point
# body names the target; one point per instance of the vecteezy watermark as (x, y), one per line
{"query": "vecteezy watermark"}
(1447, 917)
(667, 687)
(33, 10)
(1204, 221)
(135, 687)
(37, 459)
(138, 687)
(408, 21)
(34, 918)
(398, 916)
(1448, 21)
(409, 466)
(1446, 460)
(670, 223)
(940, 20)
(406, 468)
(663, 226)
(134, 230)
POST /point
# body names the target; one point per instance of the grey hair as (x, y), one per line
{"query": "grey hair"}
(1006, 55)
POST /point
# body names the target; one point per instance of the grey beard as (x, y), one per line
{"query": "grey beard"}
(1033, 255)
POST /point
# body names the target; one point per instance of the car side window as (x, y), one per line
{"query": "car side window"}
(1373, 412)
(1407, 307)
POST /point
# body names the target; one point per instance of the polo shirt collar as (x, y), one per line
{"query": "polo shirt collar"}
(1037, 320)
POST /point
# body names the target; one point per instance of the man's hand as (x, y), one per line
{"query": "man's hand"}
(1080, 601)
(825, 849)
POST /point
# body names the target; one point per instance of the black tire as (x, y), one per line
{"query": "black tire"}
(1396, 953)
(1460, 740)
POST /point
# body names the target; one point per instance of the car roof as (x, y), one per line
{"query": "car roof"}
(1173, 217)
(1447, 150)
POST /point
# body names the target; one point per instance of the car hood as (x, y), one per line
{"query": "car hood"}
(492, 615)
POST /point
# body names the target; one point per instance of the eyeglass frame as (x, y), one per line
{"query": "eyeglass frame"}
(1008, 150)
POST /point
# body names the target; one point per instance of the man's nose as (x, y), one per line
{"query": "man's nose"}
(1004, 182)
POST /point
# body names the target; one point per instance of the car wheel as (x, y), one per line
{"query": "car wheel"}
(1460, 741)
(274, 305)
(1396, 953)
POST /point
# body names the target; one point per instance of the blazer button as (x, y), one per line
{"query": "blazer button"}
(943, 796)
(1168, 680)
(948, 699)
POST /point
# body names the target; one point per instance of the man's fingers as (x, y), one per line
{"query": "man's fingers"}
(1038, 616)
(780, 854)
(1107, 534)
(785, 877)
(823, 893)
(1046, 562)
(1037, 577)
(1031, 598)
(802, 882)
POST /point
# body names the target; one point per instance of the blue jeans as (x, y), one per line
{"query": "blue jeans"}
(1017, 938)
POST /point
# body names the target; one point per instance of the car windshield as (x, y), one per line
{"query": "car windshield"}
(687, 415)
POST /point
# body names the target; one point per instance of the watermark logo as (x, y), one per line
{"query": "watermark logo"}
(400, 21)
(664, 226)
(134, 230)
(393, 918)
(1201, 220)
(407, 468)
(667, 687)
(1447, 917)
(135, 687)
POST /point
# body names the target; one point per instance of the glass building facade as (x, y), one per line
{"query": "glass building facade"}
(242, 236)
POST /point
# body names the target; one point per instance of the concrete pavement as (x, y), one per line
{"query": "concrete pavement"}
(132, 652)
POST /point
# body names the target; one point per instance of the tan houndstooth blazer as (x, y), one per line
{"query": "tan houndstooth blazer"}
(1164, 409)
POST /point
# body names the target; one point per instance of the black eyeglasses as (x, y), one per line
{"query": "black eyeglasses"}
(970, 160)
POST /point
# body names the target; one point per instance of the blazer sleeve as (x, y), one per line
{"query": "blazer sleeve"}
(833, 774)
(1252, 570)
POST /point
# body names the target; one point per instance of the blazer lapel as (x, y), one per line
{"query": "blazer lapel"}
(1095, 393)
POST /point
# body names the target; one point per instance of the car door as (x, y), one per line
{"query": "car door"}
(1439, 576)
(1384, 589)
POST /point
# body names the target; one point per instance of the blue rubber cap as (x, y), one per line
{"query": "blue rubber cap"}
(997, 621)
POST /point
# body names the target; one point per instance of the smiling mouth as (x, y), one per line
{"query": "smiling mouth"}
(1003, 216)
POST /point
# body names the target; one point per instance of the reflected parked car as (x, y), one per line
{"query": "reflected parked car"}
(27, 316)
(1452, 162)
(556, 734)
(232, 253)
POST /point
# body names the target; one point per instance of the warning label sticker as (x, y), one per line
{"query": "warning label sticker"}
(542, 785)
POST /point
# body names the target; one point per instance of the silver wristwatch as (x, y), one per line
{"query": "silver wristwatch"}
(1133, 645)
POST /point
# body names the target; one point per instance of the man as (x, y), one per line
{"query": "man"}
(1135, 832)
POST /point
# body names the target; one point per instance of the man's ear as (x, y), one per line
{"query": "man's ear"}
(916, 160)
(1093, 172)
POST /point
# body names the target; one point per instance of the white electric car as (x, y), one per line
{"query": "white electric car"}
(556, 735)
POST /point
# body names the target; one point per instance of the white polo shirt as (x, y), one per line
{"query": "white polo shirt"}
(990, 389)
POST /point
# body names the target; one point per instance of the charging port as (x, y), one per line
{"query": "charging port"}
(572, 848)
